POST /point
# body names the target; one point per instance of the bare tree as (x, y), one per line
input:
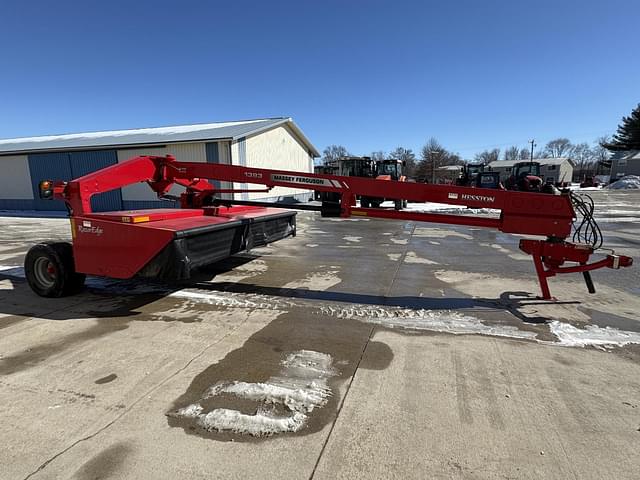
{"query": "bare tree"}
(511, 153)
(525, 154)
(582, 155)
(334, 152)
(408, 157)
(558, 147)
(488, 156)
(379, 155)
(601, 155)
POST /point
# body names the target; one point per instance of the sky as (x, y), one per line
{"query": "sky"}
(369, 75)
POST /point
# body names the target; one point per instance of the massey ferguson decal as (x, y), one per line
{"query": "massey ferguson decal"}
(302, 180)
(478, 198)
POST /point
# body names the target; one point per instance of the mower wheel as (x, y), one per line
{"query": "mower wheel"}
(50, 270)
(364, 203)
(405, 203)
(398, 204)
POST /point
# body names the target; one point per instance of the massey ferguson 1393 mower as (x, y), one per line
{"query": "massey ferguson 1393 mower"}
(167, 244)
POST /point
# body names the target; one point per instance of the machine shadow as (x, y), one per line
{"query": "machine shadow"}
(104, 298)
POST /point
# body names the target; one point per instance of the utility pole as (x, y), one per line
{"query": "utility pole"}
(533, 144)
(433, 164)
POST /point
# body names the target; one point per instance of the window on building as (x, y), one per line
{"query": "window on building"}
(620, 174)
(551, 167)
(508, 170)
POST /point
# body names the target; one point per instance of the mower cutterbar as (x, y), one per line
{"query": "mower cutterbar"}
(168, 244)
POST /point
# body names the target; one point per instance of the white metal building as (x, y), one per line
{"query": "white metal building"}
(551, 169)
(269, 143)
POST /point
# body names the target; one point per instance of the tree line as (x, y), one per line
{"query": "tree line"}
(589, 159)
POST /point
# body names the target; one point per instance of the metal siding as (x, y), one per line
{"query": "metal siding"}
(15, 181)
(83, 163)
(145, 204)
(188, 152)
(242, 160)
(139, 192)
(16, 204)
(48, 166)
(213, 156)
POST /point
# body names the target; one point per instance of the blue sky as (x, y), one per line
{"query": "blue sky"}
(370, 75)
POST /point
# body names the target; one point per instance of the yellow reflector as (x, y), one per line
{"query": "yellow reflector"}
(360, 214)
(141, 219)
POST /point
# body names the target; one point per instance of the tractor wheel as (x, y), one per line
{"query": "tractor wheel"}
(50, 270)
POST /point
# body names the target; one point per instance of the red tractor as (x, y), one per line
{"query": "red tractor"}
(525, 178)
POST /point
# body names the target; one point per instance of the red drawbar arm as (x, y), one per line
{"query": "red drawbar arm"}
(520, 212)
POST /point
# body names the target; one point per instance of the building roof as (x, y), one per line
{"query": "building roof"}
(152, 136)
(453, 168)
(541, 161)
(626, 155)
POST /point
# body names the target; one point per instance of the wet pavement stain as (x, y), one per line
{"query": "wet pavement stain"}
(604, 320)
(260, 358)
(107, 379)
(106, 464)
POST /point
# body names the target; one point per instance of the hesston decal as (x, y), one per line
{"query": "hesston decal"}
(478, 198)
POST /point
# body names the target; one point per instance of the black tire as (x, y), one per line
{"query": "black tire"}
(398, 204)
(364, 203)
(50, 270)
(405, 203)
(375, 204)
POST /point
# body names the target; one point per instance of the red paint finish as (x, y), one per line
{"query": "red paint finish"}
(119, 244)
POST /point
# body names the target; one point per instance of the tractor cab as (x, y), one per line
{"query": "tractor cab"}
(525, 177)
(356, 167)
(469, 174)
(389, 168)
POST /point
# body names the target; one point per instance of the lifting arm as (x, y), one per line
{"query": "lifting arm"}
(528, 213)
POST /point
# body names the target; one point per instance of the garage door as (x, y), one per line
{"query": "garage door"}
(70, 165)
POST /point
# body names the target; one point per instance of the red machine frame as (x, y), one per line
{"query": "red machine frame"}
(550, 216)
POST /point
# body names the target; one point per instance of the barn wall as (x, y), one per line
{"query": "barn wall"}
(140, 195)
(15, 183)
(277, 149)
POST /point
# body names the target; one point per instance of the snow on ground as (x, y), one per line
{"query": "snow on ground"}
(571, 336)
(626, 183)
(448, 321)
(429, 207)
(301, 387)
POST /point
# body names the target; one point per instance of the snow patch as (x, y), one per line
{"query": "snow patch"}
(301, 387)
(412, 257)
(626, 183)
(400, 241)
(446, 321)
(571, 336)
(352, 239)
(431, 232)
(316, 281)
(120, 133)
